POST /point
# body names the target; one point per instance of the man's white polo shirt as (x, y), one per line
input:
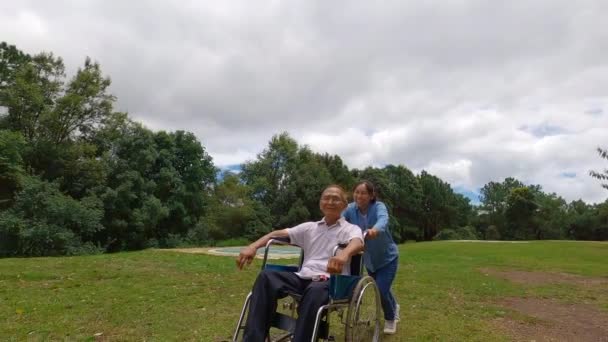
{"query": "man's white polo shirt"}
(318, 241)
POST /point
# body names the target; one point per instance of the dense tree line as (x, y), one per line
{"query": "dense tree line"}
(78, 177)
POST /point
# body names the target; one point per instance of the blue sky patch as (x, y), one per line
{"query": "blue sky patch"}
(473, 195)
(234, 168)
(568, 174)
(595, 111)
(543, 130)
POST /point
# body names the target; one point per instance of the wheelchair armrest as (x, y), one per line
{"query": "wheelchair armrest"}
(356, 261)
(344, 244)
(280, 242)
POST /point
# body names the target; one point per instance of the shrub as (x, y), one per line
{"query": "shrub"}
(43, 221)
(233, 242)
(492, 233)
(467, 233)
(447, 234)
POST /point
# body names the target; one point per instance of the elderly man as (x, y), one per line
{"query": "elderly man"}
(317, 239)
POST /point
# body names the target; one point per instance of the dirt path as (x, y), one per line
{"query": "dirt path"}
(553, 321)
(539, 319)
(542, 278)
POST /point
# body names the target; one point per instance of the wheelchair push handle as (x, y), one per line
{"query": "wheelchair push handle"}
(343, 245)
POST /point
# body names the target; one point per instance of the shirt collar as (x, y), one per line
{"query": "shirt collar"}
(338, 223)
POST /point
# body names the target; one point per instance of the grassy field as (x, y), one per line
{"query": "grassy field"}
(160, 295)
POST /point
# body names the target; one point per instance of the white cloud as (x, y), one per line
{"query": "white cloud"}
(472, 90)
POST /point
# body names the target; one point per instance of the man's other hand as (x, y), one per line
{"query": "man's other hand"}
(335, 264)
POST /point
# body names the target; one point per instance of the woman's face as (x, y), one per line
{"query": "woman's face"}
(362, 196)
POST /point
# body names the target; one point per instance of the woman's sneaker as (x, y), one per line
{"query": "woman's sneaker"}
(390, 327)
(397, 317)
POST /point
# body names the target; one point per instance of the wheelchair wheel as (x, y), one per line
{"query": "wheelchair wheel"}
(363, 316)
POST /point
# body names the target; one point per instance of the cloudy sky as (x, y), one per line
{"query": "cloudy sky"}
(471, 91)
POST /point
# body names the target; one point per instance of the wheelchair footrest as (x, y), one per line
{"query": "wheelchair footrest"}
(283, 322)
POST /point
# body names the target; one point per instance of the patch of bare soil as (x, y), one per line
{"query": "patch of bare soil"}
(547, 319)
(553, 321)
(541, 278)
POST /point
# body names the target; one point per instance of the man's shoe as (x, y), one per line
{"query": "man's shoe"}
(390, 327)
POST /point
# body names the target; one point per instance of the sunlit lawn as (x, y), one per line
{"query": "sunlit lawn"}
(160, 295)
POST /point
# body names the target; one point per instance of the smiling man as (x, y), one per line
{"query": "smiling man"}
(317, 239)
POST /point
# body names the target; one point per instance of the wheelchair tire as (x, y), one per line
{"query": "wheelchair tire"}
(363, 316)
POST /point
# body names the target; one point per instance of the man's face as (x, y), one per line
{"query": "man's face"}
(332, 202)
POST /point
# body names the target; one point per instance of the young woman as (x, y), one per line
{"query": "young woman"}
(381, 254)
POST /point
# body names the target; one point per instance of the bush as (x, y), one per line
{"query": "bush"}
(173, 241)
(411, 233)
(467, 233)
(463, 233)
(87, 248)
(492, 233)
(43, 221)
(197, 235)
(233, 242)
(447, 234)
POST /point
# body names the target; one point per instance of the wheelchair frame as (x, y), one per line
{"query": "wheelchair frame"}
(361, 290)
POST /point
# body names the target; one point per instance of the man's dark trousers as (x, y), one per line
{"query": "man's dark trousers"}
(273, 285)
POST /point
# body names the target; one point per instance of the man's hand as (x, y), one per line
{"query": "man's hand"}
(335, 264)
(372, 234)
(245, 257)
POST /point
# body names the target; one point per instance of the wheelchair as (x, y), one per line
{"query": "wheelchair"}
(354, 300)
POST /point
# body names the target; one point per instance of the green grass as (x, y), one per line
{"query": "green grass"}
(159, 295)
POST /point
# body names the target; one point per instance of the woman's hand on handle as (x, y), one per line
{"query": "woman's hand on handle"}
(371, 234)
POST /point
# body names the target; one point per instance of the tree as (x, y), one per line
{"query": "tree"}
(184, 177)
(338, 171)
(157, 188)
(494, 198)
(582, 220)
(231, 209)
(588, 222)
(11, 166)
(56, 119)
(287, 179)
(11, 60)
(82, 107)
(493, 195)
(44, 221)
(551, 216)
(603, 176)
(402, 193)
(271, 174)
(439, 206)
(520, 210)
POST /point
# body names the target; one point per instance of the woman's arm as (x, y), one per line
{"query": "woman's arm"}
(382, 217)
(381, 221)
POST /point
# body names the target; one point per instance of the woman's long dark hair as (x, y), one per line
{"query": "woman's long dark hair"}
(369, 186)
